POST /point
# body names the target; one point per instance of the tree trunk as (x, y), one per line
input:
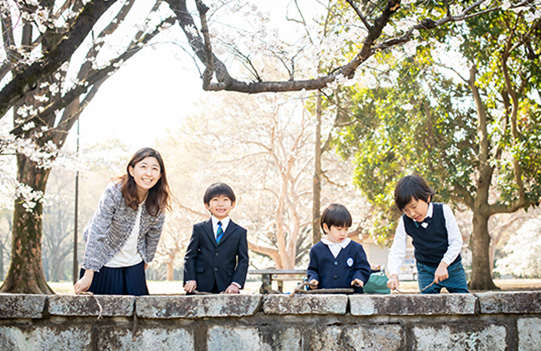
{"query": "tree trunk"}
(1, 261)
(481, 279)
(170, 271)
(316, 196)
(25, 273)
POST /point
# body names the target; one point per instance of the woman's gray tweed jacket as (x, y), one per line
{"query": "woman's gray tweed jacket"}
(111, 225)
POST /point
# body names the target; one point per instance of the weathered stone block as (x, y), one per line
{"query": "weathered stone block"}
(459, 337)
(412, 304)
(197, 306)
(161, 338)
(234, 338)
(529, 334)
(22, 306)
(45, 338)
(305, 304)
(239, 338)
(370, 337)
(510, 302)
(278, 338)
(91, 305)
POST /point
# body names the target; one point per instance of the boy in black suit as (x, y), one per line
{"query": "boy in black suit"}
(216, 259)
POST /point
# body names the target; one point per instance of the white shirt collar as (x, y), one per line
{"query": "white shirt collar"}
(225, 222)
(430, 210)
(342, 244)
(429, 213)
(335, 248)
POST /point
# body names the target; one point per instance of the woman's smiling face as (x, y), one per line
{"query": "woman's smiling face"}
(146, 174)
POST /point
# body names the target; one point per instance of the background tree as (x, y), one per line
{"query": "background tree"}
(471, 130)
(5, 220)
(58, 227)
(523, 260)
(46, 105)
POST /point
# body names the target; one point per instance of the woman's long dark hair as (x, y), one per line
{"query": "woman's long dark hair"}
(158, 198)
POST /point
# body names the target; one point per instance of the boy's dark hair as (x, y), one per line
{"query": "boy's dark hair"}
(337, 215)
(218, 189)
(411, 187)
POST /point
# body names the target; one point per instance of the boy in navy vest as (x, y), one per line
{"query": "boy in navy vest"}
(435, 236)
(337, 262)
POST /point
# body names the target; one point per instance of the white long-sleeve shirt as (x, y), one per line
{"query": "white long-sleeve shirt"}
(398, 249)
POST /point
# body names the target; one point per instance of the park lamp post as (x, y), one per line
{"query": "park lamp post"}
(76, 210)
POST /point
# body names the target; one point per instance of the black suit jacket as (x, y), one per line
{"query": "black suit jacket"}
(208, 263)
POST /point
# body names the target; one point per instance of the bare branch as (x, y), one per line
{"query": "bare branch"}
(267, 251)
(226, 82)
(207, 74)
(358, 12)
(324, 175)
(189, 209)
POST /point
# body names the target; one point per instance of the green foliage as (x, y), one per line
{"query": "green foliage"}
(421, 115)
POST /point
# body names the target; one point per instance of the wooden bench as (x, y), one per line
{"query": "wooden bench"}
(279, 275)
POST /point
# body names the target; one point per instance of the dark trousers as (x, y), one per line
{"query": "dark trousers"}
(456, 283)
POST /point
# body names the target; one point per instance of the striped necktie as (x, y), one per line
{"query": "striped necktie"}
(219, 232)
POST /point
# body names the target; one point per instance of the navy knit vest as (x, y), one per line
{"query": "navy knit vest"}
(430, 243)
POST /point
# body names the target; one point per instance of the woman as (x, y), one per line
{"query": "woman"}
(122, 236)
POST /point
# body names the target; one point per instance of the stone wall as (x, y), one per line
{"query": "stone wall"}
(484, 321)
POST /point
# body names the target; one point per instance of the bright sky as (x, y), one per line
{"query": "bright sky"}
(153, 91)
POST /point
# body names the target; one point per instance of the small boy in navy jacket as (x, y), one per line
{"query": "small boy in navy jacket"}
(216, 259)
(435, 236)
(337, 262)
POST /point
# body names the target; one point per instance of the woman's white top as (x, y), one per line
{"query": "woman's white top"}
(128, 255)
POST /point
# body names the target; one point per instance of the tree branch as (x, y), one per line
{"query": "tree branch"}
(358, 12)
(267, 251)
(226, 82)
(51, 61)
(93, 77)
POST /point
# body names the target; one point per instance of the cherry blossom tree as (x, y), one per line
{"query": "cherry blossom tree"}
(523, 260)
(47, 88)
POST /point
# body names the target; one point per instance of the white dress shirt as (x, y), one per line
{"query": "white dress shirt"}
(225, 223)
(398, 249)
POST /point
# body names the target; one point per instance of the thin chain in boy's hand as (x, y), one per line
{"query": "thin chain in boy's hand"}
(426, 287)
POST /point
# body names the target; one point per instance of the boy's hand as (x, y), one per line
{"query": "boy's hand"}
(232, 289)
(313, 284)
(393, 282)
(190, 286)
(84, 283)
(357, 282)
(441, 272)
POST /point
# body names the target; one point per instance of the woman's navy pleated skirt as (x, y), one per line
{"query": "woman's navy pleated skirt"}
(120, 281)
